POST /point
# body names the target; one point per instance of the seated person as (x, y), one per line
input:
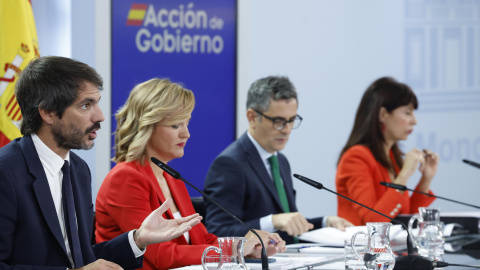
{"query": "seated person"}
(46, 204)
(252, 179)
(154, 123)
(371, 155)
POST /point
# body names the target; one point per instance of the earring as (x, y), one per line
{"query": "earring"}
(382, 126)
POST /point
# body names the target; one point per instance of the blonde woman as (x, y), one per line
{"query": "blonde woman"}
(154, 123)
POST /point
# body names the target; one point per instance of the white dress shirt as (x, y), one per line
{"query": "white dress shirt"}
(177, 215)
(266, 222)
(52, 165)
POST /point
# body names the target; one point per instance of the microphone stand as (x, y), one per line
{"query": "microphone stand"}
(403, 188)
(177, 175)
(413, 262)
(475, 245)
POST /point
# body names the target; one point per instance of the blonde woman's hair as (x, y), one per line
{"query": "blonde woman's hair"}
(149, 103)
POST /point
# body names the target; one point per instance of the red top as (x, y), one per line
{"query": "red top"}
(359, 176)
(129, 193)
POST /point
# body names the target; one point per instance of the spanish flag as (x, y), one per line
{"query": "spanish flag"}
(136, 14)
(18, 46)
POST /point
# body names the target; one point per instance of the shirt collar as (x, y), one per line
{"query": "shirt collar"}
(264, 154)
(50, 160)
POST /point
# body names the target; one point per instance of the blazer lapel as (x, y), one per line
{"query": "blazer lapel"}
(180, 195)
(42, 188)
(148, 172)
(256, 163)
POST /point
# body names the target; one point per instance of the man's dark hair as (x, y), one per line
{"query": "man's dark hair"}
(272, 87)
(51, 83)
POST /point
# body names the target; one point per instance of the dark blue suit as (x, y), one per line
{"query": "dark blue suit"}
(30, 235)
(239, 181)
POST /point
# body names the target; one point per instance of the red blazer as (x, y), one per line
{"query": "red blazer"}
(359, 176)
(129, 193)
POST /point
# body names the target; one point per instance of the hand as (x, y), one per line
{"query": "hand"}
(412, 159)
(292, 223)
(429, 170)
(431, 164)
(272, 241)
(156, 229)
(101, 264)
(338, 222)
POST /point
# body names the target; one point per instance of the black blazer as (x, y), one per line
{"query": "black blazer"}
(30, 235)
(239, 181)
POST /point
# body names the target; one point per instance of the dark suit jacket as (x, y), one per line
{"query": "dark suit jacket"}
(30, 235)
(239, 181)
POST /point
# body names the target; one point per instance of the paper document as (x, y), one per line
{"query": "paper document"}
(281, 263)
(290, 262)
(335, 237)
(322, 250)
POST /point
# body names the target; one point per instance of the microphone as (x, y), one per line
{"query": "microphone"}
(410, 261)
(399, 187)
(474, 164)
(403, 188)
(413, 262)
(177, 175)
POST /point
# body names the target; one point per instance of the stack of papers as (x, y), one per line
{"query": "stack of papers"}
(334, 237)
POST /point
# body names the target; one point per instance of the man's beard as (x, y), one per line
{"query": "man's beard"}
(73, 138)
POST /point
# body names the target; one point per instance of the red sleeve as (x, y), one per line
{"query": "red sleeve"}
(358, 177)
(127, 197)
(419, 200)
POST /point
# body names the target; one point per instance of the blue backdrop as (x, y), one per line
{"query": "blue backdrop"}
(189, 42)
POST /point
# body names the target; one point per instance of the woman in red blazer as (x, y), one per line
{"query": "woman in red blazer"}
(154, 123)
(371, 155)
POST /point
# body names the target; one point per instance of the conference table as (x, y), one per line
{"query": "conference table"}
(463, 249)
(459, 249)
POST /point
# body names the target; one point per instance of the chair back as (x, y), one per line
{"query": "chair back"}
(199, 206)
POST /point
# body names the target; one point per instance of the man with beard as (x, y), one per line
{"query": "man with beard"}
(46, 212)
(252, 179)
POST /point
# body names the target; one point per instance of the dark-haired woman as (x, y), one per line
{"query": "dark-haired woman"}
(371, 155)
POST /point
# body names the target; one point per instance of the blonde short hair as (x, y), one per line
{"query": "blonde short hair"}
(149, 103)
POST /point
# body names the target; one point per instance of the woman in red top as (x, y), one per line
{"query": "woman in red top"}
(154, 123)
(371, 155)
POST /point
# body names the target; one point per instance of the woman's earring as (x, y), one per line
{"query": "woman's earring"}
(382, 126)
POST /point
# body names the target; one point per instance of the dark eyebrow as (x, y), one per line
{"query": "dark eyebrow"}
(279, 117)
(91, 100)
(87, 100)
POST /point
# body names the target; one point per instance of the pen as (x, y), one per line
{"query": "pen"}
(305, 247)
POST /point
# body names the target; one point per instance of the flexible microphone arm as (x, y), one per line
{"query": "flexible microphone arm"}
(411, 261)
(403, 188)
(320, 186)
(177, 175)
(469, 162)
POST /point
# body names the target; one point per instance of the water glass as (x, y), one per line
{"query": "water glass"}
(351, 262)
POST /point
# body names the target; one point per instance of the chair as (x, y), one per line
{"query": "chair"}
(199, 206)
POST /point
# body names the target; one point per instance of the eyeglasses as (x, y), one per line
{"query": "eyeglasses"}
(279, 123)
